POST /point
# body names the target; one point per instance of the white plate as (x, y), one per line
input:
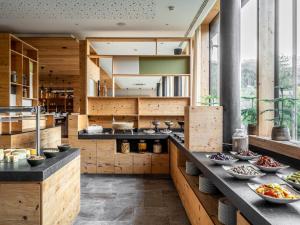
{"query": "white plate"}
(241, 176)
(222, 162)
(241, 157)
(276, 200)
(269, 169)
(283, 177)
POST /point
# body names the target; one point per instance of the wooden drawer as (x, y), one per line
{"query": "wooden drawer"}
(142, 163)
(123, 163)
(160, 164)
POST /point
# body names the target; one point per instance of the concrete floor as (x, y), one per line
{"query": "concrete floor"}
(129, 200)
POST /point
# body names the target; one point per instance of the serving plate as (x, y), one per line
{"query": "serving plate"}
(241, 157)
(253, 187)
(269, 169)
(242, 176)
(283, 177)
(222, 162)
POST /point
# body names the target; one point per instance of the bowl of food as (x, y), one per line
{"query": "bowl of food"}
(243, 172)
(268, 164)
(64, 147)
(292, 179)
(276, 193)
(222, 159)
(50, 152)
(245, 155)
(36, 160)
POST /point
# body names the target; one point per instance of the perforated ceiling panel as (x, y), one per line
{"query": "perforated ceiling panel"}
(78, 9)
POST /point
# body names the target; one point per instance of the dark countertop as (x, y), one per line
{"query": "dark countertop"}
(22, 171)
(127, 135)
(254, 208)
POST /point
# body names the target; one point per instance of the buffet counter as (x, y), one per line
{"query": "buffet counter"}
(255, 209)
(43, 195)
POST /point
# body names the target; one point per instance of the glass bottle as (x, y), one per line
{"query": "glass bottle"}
(157, 147)
(239, 140)
(142, 146)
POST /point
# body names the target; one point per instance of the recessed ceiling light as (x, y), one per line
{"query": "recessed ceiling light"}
(108, 43)
(76, 24)
(171, 7)
(167, 24)
(121, 24)
(135, 50)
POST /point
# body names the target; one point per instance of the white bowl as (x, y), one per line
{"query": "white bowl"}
(276, 200)
(283, 177)
(268, 169)
(241, 157)
(241, 176)
(222, 162)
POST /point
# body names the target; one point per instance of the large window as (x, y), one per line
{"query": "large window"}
(214, 61)
(287, 61)
(248, 61)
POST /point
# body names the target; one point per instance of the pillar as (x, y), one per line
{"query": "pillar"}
(230, 19)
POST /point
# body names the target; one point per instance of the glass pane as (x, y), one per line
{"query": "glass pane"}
(214, 62)
(248, 62)
(285, 64)
(298, 69)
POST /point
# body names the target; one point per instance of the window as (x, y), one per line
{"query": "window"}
(248, 61)
(214, 62)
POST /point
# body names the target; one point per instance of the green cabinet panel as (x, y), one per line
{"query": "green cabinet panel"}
(164, 65)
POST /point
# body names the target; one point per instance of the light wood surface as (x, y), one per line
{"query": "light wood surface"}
(160, 164)
(203, 128)
(142, 163)
(281, 147)
(20, 203)
(241, 220)
(123, 163)
(61, 195)
(106, 150)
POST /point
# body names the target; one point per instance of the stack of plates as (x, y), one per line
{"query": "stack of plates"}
(191, 169)
(206, 186)
(226, 212)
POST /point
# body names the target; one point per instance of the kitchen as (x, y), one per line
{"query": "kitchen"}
(149, 112)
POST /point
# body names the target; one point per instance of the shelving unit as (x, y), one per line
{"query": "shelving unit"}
(140, 110)
(22, 58)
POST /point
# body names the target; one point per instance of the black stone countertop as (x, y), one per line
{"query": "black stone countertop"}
(22, 171)
(254, 208)
(127, 135)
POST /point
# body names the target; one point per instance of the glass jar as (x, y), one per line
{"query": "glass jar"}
(125, 147)
(239, 140)
(157, 147)
(142, 146)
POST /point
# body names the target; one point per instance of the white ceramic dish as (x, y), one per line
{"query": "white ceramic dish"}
(241, 157)
(241, 176)
(222, 162)
(268, 169)
(283, 177)
(276, 200)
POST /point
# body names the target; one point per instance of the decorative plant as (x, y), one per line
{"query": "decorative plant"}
(249, 115)
(283, 109)
(210, 100)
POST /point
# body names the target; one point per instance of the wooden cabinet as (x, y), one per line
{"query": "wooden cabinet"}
(241, 220)
(142, 163)
(106, 150)
(160, 164)
(123, 163)
(88, 153)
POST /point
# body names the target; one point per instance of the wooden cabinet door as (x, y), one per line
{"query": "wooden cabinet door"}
(106, 150)
(88, 153)
(142, 163)
(123, 163)
(160, 164)
(173, 159)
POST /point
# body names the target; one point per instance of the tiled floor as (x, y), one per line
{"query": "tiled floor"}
(128, 200)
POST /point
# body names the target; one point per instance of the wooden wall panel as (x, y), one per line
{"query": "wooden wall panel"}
(20, 204)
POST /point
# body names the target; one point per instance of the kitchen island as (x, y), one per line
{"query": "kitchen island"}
(48, 194)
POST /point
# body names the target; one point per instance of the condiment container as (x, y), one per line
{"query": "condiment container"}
(33, 151)
(239, 141)
(125, 147)
(142, 146)
(157, 147)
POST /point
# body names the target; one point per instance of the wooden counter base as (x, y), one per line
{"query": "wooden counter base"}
(54, 201)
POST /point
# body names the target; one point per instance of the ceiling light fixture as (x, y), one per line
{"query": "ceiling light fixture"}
(171, 7)
(121, 24)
